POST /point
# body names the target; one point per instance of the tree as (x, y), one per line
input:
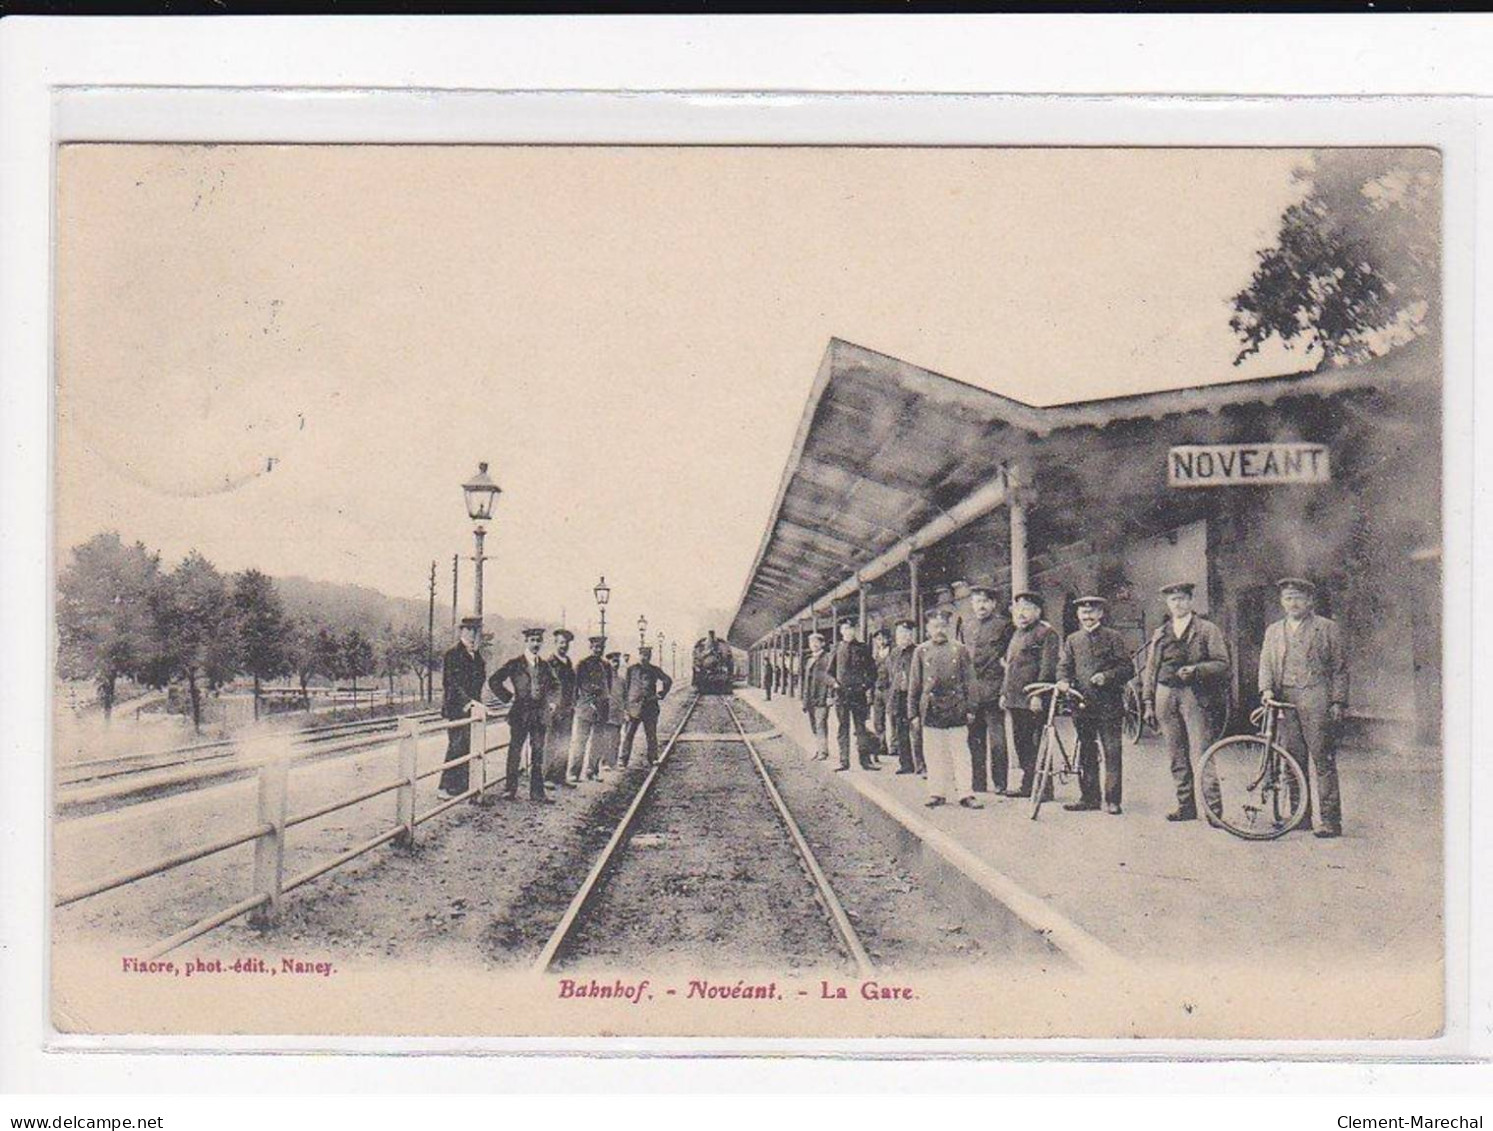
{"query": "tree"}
(1355, 268)
(192, 625)
(302, 657)
(260, 628)
(355, 656)
(103, 612)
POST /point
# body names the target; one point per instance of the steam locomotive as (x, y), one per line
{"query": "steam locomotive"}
(715, 667)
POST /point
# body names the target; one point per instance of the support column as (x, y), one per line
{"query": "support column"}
(1020, 566)
(860, 593)
(915, 593)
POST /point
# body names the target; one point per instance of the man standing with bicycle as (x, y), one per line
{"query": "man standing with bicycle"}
(1031, 657)
(1302, 663)
(1095, 662)
(1186, 674)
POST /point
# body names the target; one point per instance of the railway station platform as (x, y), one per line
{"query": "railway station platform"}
(1135, 890)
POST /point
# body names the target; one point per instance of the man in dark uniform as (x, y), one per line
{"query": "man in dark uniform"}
(1095, 662)
(593, 692)
(767, 674)
(646, 687)
(561, 711)
(527, 682)
(881, 693)
(852, 675)
(609, 732)
(989, 637)
(462, 676)
(1302, 662)
(905, 729)
(1187, 674)
(1031, 657)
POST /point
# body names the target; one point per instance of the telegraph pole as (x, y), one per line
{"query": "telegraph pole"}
(455, 582)
(430, 641)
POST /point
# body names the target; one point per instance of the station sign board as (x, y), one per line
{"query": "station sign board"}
(1247, 465)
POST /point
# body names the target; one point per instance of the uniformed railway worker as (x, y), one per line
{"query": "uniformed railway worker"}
(462, 675)
(527, 682)
(1302, 662)
(815, 690)
(647, 684)
(1031, 657)
(1095, 661)
(881, 692)
(1186, 677)
(988, 639)
(899, 665)
(593, 692)
(562, 710)
(609, 733)
(767, 675)
(852, 675)
(940, 688)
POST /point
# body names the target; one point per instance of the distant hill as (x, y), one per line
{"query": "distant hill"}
(347, 606)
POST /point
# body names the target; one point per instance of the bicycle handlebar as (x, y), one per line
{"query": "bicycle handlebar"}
(1043, 688)
(1271, 701)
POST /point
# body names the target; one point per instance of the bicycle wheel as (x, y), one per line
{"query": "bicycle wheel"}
(1043, 777)
(1254, 790)
(1135, 714)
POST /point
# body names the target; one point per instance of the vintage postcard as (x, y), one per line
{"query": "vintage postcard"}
(631, 591)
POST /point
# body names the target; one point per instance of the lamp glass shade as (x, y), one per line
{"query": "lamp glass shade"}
(642, 625)
(602, 591)
(481, 494)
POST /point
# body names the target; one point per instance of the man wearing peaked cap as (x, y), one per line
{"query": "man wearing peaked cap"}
(852, 675)
(462, 675)
(1185, 682)
(1302, 662)
(646, 686)
(561, 711)
(988, 638)
(593, 686)
(527, 683)
(1095, 662)
(1031, 657)
(815, 690)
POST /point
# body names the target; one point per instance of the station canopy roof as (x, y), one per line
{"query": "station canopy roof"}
(885, 447)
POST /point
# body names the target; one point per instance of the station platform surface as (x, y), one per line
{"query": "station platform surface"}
(1136, 889)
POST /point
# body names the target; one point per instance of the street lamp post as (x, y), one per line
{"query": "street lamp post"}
(660, 652)
(603, 594)
(481, 496)
(642, 632)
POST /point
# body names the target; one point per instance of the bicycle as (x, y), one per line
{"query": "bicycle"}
(1134, 705)
(1048, 764)
(1252, 786)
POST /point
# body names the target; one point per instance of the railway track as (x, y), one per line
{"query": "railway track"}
(707, 856)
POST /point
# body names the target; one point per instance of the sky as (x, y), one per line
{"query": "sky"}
(292, 357)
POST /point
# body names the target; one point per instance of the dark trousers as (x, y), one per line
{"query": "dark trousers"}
(649, 721)
(767, 686)
(987, 748)
(850, 712)
(520, 732)
(458, 745)
(878, 723)
(1026, 732)
(901, 728)
(1187, 731)
(1309, 734)
(1098, 744)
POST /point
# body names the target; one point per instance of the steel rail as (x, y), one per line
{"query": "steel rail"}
(604, 862)
(826, 894)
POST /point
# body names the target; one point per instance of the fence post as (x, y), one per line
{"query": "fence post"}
(269, 849)
(408, 766)
(478, 735)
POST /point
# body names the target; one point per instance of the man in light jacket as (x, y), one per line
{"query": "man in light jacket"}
(940, 689)
(1302, 662)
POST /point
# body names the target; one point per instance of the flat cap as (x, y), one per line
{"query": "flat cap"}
(908, 623)
(471, 622)
(1027, 595)
(597, 639)
(1092, 602)
(985, 584)
(532, 633)
(1179, 587)
(1298, 583)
